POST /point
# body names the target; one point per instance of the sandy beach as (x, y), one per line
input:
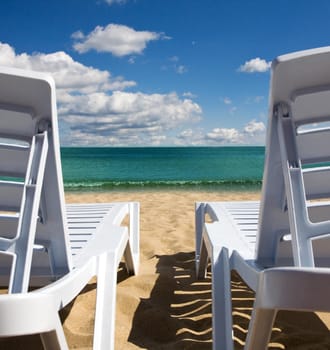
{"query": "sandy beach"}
(165, 307)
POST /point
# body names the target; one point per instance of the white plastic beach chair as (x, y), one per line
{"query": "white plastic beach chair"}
(42, 242)
(280, 246)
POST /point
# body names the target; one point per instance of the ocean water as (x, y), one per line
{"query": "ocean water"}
(200, 168)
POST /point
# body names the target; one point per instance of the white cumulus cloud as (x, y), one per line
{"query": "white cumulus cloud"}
(254, 127)
(134, 108)
(224, 135)
(255, 65)
(94, 109)
(69, 75)
(117, 39)
(252, 133)
(126, 118)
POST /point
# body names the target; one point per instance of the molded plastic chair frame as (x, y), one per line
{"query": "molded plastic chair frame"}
(51, 246)
(281, 250)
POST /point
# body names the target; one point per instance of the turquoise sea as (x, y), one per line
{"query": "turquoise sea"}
(200, 168)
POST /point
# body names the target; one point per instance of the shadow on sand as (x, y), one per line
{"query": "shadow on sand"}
(178, 313)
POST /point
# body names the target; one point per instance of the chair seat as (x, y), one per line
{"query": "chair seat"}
(84, 220)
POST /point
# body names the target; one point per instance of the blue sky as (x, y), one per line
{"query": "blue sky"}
(159, 73)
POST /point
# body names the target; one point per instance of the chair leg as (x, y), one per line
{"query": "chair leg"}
(55, 339)
(222, 322)
(201, 265)
(104, 327)
(260, 329)
(199, 227)
(132, 250)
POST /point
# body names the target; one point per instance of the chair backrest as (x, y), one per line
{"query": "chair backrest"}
(31, 187)
(297, 161)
